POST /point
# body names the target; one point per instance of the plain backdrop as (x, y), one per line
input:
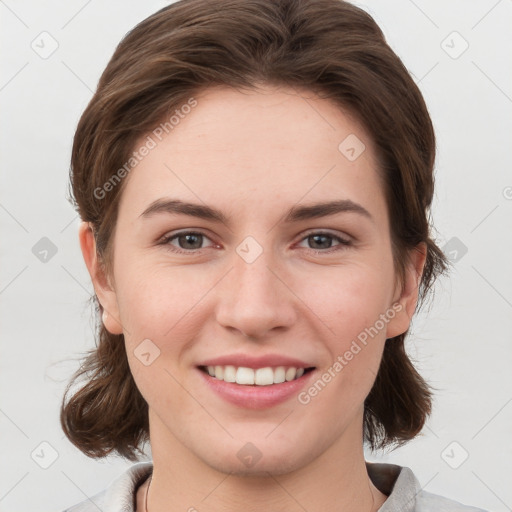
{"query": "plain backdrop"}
(459, 54)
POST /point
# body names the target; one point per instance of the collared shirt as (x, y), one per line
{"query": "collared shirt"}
(398, 483)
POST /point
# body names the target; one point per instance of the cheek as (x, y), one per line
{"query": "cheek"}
(159, 309)
(347, 299)
(350, 302)
(154, 300)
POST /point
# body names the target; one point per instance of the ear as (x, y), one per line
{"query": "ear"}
(104, 291)
(405, 304)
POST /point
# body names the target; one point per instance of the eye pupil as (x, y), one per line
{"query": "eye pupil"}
(317, 239)
(190, 239)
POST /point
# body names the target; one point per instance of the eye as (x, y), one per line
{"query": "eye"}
(187, 241)
(323, 242)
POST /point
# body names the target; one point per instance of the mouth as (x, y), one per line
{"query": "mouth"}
(266, 376)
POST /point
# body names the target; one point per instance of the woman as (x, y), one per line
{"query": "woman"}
(254, 180)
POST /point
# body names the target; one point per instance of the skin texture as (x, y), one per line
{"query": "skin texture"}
(253, 155)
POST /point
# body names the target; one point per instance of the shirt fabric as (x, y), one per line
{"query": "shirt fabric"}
(398, 483)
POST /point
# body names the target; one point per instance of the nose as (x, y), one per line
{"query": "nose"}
(255, 299)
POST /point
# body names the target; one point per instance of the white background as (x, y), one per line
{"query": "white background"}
(463, 346)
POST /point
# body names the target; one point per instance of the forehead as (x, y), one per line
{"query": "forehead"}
(265, 145)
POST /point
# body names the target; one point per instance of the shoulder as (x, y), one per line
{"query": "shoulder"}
(426, 501)
(119, 495)
(405, 493)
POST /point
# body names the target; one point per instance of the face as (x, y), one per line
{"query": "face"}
(254, 281)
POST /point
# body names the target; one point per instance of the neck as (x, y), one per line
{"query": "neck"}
(336, 480)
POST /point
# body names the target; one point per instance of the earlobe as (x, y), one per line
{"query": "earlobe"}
(405, 304)
(104, 291)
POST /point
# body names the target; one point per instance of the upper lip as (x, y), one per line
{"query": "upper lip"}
(247, 361)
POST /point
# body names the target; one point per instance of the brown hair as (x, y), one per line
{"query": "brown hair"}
(329, 47)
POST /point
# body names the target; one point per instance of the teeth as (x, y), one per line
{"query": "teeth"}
(229, 374)
(264, 377)
(259, 377)
(279, 374)
(290, 374)
(244, 376)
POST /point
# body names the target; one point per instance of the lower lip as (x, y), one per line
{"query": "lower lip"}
(256, 397)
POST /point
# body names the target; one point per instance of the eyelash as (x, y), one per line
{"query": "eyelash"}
(343, 243)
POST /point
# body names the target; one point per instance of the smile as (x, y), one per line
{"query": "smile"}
(266, 376)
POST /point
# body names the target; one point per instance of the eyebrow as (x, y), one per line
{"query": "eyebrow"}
(294, 214)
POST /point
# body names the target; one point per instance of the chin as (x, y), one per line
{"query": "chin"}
(259, 458)
(264, 467)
